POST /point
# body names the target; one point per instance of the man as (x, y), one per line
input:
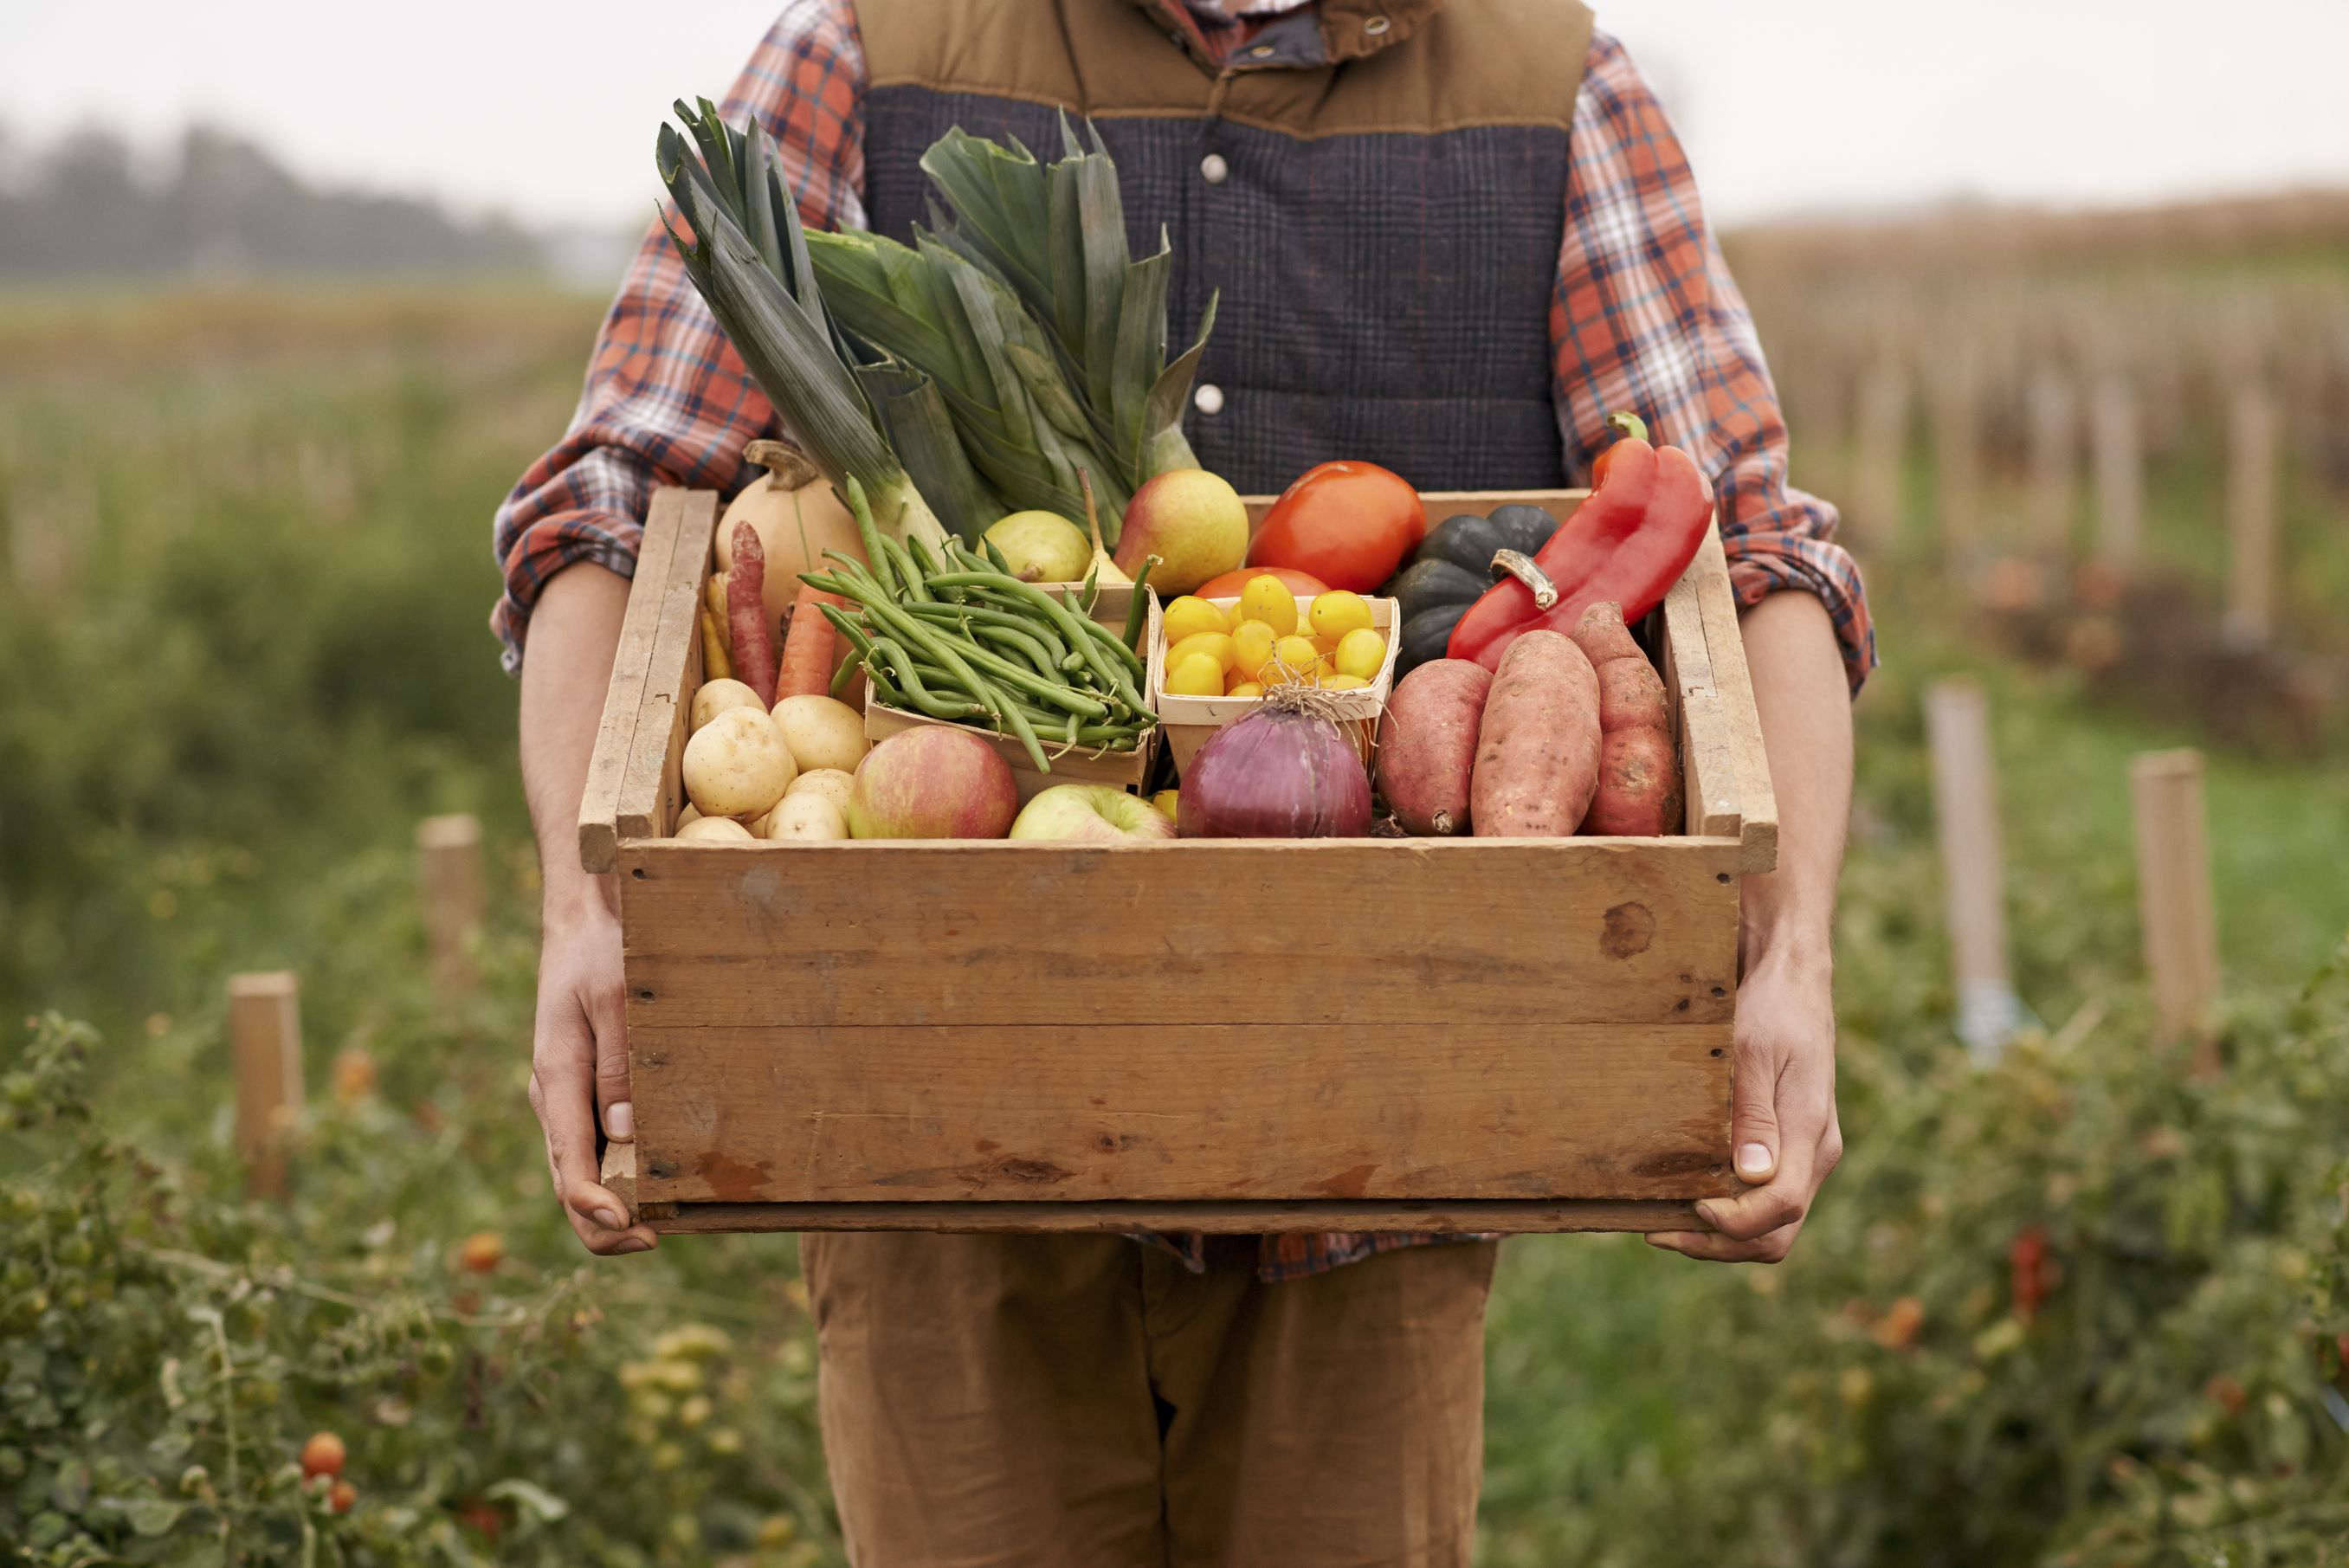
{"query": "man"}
(1448, 239)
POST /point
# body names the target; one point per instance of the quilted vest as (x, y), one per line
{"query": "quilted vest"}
(1375, 189)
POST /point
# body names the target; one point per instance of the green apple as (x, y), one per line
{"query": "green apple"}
(1042, 547)
(1099, 812)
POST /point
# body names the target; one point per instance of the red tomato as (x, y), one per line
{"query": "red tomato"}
(323, 1455)
(1229, 584)
(1349, 524)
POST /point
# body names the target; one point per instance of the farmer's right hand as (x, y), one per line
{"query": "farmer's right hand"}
(579, 1064)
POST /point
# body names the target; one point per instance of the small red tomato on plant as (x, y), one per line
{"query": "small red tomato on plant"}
(1350, 524)
(483, 1251)
(341, 1497)
(323, 1455)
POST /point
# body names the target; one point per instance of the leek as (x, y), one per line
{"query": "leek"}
(1056, 237)
(748, 258)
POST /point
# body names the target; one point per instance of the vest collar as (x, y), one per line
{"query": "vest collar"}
(1341, 30)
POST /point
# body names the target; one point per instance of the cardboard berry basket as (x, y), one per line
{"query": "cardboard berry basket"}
(1478, 1035)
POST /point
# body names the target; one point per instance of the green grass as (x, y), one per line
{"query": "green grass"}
(244, 608)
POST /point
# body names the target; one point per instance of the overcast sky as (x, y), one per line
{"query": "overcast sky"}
(549, 111)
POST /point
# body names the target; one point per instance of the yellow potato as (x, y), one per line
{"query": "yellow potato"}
(822, 733)
(715, 697)
(714, 830)
(690, 813)
(738, 765)
(808, 818)
(829, 782)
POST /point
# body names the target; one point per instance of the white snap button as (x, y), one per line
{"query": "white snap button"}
(1208, 399)
(1212, 169)
(1375, 26)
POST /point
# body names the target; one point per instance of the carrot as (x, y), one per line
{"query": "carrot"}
(807, 647)
(746, 615)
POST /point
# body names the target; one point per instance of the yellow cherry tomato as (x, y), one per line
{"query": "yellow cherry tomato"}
(1240, 687)
(1343, 682)
(1327, 645)
(1336, 613)
(1294, 661)
(1198, 676)
(1268, 599)
(1217, 645)
(1164, 801)
(1252, 646)
(1236, 617)
(1361, 651)
(1188, 616)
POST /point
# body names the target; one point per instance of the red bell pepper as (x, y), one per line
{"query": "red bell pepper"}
(1629, 542)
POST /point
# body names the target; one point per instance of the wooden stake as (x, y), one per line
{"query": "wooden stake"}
(264, 1021)
(1974, 864)
(2173, 892)
(449, 856)
(1879, 444)
(2120, 483)
(1957, 454)
(2054, 467)
(2251, 444)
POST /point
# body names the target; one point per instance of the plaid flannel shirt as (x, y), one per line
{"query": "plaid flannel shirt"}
(1643, 314)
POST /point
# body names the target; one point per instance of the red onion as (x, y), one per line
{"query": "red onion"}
(1285, 771)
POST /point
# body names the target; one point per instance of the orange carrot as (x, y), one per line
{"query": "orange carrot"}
(807, 647)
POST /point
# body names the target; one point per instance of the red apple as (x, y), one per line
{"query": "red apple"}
(1096, 813)
(937, 781)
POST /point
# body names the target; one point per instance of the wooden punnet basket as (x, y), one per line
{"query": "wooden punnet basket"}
(1480, 1034)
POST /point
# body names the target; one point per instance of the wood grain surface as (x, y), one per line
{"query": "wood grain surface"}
(1740, 721)
(615, 732)
(1181, 1112)
(1463, 932)
(1225, 1219)
(651, 791)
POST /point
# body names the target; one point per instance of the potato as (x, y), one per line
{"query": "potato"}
(1537, 743)
(715, 831)
(1427, 743)
(830, 783)
(737, 765)
(809, 817)
(1638, 769)
(715, 697)
(689, 813)
(822, 733)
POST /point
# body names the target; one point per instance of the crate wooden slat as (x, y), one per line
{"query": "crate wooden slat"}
(1526, 1034)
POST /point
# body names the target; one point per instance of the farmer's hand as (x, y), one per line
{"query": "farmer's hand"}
(579, 1057)
(1784, 1136)
(1783, 1129)
(579, 1069)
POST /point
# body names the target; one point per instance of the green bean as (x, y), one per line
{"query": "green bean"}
(1035, 626)
(1074, 627)
(937, 706)
(1026, 647)
(993, 556)
(956, 655)
(1137, 609)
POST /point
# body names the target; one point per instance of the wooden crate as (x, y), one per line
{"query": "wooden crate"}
(1488, 1034)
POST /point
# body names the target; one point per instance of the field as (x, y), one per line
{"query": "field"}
(244, 606)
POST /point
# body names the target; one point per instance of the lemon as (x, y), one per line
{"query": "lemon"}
(1190, 616)
(1336, 613)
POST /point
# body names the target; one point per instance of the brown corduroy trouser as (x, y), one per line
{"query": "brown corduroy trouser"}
(1085, 1401)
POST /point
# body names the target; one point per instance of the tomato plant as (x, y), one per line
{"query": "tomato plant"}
(1348, 523)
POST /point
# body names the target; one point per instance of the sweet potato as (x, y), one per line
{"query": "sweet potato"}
(1537, 745)
(1427, 745)
(1638, 770)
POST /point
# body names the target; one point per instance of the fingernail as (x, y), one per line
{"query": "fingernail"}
(620, 1122)
(633, 1246)
(610, 1220)
(1752, 1159)
(1705, 1211)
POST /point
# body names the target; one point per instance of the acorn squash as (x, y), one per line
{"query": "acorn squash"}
(1451, 569)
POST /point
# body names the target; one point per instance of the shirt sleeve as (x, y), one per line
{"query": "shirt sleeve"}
(1647, 318)
(667, 401)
